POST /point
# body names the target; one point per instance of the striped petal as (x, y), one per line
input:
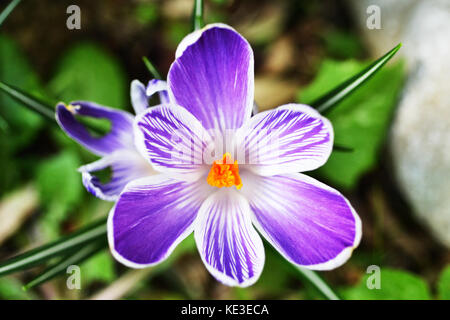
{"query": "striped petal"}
(125, 165)
(160, 86)
(119, 137)
(291, 138)
(309, 223)
(141, 94)
(212, 77)
(151, 217)
(230, 248)
(173, 140)
(139, 99)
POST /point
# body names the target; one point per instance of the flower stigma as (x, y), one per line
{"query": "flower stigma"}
(71, 107)
(225, 173)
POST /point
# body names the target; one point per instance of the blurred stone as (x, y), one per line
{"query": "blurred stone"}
(280, 56)
(263, 27)
(15, 208)
(420, 137)
(271, 92)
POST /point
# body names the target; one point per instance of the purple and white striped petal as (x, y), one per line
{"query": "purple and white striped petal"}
(309, 223)
(291, 138)
(125, 165)
(212, 77)
(160, 86)
(139, 98)
(141, 94)
(173, 140)
(230, 247)
(152, 216)
(120, 136)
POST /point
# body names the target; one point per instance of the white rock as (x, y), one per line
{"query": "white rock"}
(420, 136)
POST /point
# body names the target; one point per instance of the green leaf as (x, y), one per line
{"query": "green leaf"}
(99, 268)
(62, 246)
(329, 100)
(197, 15)
(19, 125)
(342, 45)
(59, 180)
(360, 121)
(395, 285)
(73, 259)
(34, 104)
(9, 8)
(60, 189)
(443, 284)
(11, 289)
(45, 110)
(87, 72)
(16, 71)
(151, 68)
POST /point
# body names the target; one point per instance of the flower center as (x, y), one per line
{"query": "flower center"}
(225, 173)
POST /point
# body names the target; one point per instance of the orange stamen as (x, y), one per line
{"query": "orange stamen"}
(225, 173)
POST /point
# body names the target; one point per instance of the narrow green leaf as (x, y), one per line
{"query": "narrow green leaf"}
(333, 97)
(151, 68)
(61, 266)
(9, 8)
(360, 121)
(197, 15)
(60, 247)
(40, 107)
(30, 102)
(341, 148)
(318, 283)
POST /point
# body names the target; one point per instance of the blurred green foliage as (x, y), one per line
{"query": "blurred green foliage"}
(60, 189)
(99, 268)
(176, 31)
(16, 70)
(443, 285)
(341, 44)
(87, 72)
(146, 12)
(11, 289)
(395, 285)
(19, 125)
(360, 121)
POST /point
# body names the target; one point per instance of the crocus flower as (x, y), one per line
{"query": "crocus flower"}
(117, 147)
(224, 191)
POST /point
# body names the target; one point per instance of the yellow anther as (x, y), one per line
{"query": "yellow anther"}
(225, 173)
(71, 107)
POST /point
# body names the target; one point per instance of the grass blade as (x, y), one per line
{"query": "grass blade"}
(333, 97)
(197, 15)
(9, 8)
(59, 247)
(30, 102)
(341, 148)
(40, 107)
(318, 283)
(61, 266)
(153, 71)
